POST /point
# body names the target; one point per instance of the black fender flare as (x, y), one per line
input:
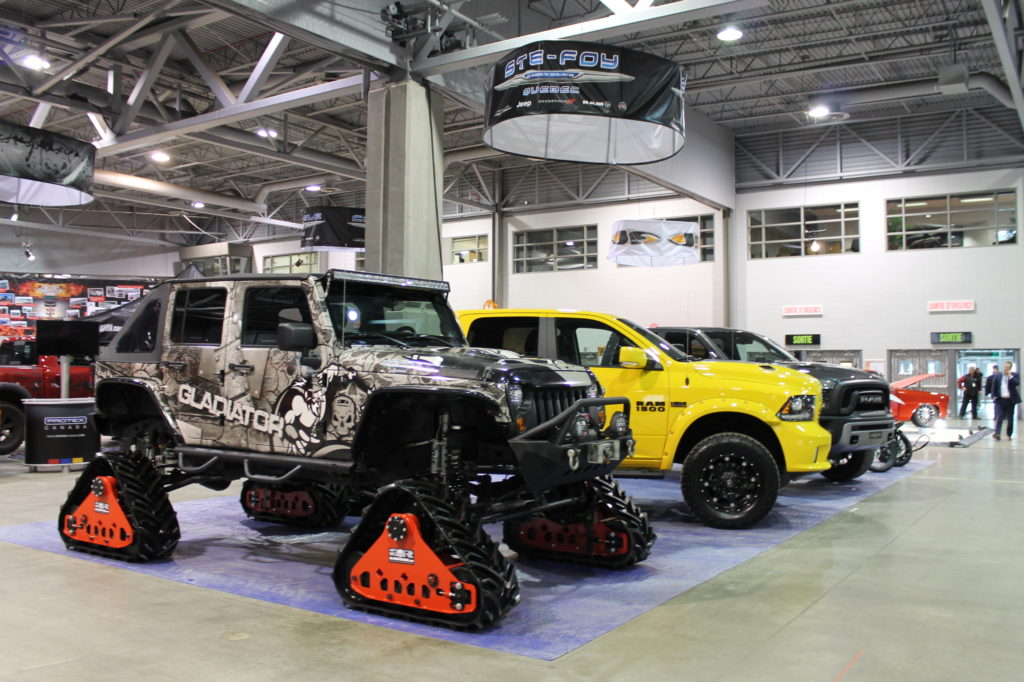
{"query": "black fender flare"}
(110, 406)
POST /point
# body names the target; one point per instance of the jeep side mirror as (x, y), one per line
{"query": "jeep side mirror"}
(295, 336)
(635, 358)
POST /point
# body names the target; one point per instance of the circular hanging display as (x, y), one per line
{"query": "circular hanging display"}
(586, 102)
(40, 168)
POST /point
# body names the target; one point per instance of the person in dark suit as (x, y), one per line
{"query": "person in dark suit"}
(970, 384)
(1005, 395)
(988, 380)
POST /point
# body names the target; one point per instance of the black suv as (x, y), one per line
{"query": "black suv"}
(855, 403)
(329, 393)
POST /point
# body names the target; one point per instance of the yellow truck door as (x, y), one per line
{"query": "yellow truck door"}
(596, 345)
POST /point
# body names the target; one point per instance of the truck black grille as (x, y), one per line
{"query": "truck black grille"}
(873, 400)
(549, 402)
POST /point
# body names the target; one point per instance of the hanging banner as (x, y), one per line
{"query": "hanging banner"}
(654, 243)
(587, 102)
(334, 228)
(43, 168)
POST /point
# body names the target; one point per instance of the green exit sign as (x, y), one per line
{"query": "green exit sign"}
(951, 337)
(803, 339)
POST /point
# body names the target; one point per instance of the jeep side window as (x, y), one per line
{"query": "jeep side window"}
(590, 343)
(141, 334)
(198, 316)
(517, 334)
(263, 307)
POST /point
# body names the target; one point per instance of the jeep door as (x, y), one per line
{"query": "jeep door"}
(287, 401)
(191, 361)
(596, 345)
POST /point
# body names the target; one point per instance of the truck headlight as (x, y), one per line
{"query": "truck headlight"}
(593, 391)
(515, 395)
(620, 424)
(799, 408)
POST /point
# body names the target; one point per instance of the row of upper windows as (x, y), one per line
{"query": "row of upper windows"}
(944, 221)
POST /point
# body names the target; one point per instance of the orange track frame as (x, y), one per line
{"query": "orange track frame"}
(99, 519)
(407, 572)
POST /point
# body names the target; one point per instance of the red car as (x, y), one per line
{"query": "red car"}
(920, 407)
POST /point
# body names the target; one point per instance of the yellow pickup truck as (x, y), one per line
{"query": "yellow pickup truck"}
(738, 429)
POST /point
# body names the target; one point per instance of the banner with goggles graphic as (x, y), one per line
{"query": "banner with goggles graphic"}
(586, 102)
(654, 243)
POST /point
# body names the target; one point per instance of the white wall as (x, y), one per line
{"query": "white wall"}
(876, 300)
(75, 255)
(671, 295)
(470, 282)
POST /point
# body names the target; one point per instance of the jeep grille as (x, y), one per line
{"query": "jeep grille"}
(549, 402)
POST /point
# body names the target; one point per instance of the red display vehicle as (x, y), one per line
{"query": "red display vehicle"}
(920, 407)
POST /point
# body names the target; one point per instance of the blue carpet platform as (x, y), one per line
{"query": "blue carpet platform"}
(223, 550)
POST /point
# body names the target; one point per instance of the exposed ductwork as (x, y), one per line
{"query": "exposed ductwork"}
(166, 189)
(925, 88)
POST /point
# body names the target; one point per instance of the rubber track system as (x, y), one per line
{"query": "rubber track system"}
(615, 509)
(143, 500)
(449, 533)
(289, 504)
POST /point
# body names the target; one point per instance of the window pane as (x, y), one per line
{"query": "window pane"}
(813, 213)
(571, 234)
(986, 200)
(851, 227)
(819, 230)
(925, 205)
(140, 337)
(894, 207)
(539, 237)
(756, 234)
(929, 222)
(973, 218)
(755, 218)
(782, 249)
(263, 312)
(776, 233)
(756, 251)
(517, 334)
(198, 316)
(776, 216)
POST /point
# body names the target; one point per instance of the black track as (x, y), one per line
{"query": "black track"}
(618, 510)
(145, 504)
(330, 504)
(448, 531)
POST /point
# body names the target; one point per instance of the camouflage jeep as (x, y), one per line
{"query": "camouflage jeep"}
(332, 393)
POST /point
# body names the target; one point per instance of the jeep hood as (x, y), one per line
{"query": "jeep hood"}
(478, 364)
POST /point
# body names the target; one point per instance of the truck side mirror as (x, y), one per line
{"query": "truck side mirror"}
(295, 336)
(636, 358)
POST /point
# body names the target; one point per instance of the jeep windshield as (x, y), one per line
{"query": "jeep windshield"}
(371, 314)
(745, 346)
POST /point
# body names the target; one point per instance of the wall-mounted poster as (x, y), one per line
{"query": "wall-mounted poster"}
(4, 285)
(78, 302)
(24, 300)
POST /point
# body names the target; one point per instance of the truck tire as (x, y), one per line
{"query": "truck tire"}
(925, 415)
(906, 450)
(12, 427)
(730, 480)
(852, 465)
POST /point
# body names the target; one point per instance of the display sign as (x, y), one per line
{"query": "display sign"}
(654, 243)
(950, 306)
(952, 337)
(586, 102)
(802, 310)
(803, 339)
(334, 228)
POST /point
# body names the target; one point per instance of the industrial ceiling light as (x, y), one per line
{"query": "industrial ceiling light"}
(818, 111)
(267, 132)
(198, 204)
(314, 188)
(35, 62)
(28, 251)
(730, 34)
(160, 156)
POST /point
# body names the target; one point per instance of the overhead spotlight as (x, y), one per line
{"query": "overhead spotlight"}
(314, 188)
(819, 111)
(14, 216)
(815, 246)
(729, 34)
(28, 251)
(198, 204)
(160, 156)
(35, 62)
(267, 132)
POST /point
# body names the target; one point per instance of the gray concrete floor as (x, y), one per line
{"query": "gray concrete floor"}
(920, 582)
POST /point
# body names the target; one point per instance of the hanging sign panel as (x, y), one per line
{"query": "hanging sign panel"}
(587, 102)
(654, 243)
(334, 228)
(41, 168)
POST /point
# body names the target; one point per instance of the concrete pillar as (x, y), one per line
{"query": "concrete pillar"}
(404, 176)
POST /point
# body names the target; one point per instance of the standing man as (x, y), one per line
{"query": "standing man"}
(970, 384)
(989, 379)
(1005, 395)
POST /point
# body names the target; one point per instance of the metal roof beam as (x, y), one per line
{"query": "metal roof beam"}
(1004, 35)
(231, 114)
(23, 224)
(268, 60)
(596, 29)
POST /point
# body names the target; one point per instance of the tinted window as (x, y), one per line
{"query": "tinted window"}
(18, 353)
(140, 336)
(518, 334)
(590, 343)
(198, 316)
(266, 307)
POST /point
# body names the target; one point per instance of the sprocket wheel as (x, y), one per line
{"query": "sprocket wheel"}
(450, 532)
(605, 529)
(142, 499)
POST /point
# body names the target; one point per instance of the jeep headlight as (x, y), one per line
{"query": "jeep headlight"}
(593, 391)
(515, 395)
(799, 408)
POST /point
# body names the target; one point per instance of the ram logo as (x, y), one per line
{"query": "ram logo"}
(872, 399)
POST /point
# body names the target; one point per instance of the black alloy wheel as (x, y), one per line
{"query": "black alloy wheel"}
(730, 480)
